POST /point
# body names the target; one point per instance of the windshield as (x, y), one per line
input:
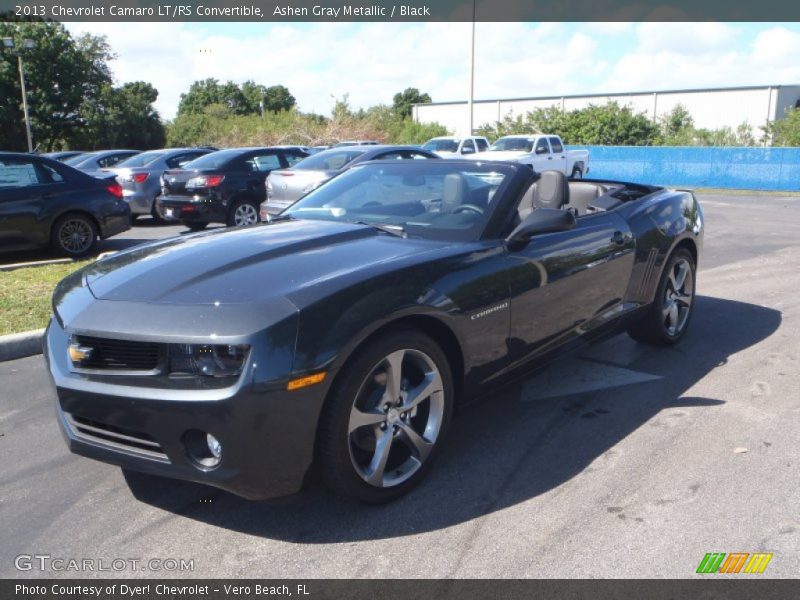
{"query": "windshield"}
(513, 144)
(447, 145)
(140, 160)
(430, 199)
(332, 160)
(215, 160)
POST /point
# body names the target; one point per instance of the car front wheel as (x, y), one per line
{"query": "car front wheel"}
(386, 417)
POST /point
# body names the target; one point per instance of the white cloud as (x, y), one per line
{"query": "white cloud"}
(373, 61)
(705, 55)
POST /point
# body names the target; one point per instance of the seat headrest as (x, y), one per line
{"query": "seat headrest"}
(552, 190)
(454, 191)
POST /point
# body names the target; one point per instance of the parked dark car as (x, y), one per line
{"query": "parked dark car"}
(63, 155)
(91, 162)
(45, 202)
(140, 175)
(286, 186)
(223, 187)
(344, 333)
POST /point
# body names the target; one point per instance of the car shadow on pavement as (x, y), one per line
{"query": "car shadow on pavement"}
(505, 450)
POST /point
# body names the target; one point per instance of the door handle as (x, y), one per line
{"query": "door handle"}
(618, 238)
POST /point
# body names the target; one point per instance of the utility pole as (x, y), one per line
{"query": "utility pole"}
(472, 71)
(8, 42)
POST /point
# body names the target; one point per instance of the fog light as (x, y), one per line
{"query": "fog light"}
(202, 448)
(214, 446)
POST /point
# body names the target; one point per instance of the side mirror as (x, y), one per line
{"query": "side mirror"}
(541, 220)
(541, 150)
(467, 150)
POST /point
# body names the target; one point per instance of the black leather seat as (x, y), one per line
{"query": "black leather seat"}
(454, 192)
(551, 190)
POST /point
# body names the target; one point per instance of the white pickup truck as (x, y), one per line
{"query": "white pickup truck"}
(456, 147)
(543, 152)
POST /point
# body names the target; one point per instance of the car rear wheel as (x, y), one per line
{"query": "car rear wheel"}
(577, 173)
(386, 417)
(665, 321)
(196, 226)
(243, 212)
(74, 235)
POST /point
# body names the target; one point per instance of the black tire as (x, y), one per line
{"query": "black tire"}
(656, 325)
(238, 206)
(74, 235)
(577, 173)
(338, 444)
(196, 225)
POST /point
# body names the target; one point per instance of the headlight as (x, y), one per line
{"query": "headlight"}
(211, 360)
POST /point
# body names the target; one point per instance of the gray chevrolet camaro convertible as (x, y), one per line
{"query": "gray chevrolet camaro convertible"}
(345, 332)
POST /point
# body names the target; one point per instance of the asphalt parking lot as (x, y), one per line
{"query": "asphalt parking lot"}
(623, 461)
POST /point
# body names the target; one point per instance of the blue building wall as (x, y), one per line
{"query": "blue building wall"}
(742, 168)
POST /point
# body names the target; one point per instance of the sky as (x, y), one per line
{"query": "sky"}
(370, 62)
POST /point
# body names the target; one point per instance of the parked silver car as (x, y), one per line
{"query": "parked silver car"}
(140, 176)
(285, 186)
(94, 162)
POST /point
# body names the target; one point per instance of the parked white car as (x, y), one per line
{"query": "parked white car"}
(543, 152)
(456, 147)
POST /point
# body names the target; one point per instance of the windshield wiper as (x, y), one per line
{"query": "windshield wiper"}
(396, 230)
(276, 218)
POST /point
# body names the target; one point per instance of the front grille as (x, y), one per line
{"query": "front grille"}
(119, 355)
(117, 438)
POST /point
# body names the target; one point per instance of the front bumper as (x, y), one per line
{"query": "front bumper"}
(267, 433)
(140, 202)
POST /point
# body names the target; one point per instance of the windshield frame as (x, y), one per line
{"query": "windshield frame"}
(498, 205)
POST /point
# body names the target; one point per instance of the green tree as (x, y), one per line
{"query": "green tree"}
(278, 98)
(609, 124)
(122, 117)
(786, 131)
(244, 99)
(404, 100)
(60, 74)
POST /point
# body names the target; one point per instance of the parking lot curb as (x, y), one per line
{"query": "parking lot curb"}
(20, 345)
(36, 263)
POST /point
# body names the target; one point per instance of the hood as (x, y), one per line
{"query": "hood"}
(246, 265)
(499, 155)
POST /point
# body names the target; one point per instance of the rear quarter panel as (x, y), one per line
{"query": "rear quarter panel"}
(660, 222)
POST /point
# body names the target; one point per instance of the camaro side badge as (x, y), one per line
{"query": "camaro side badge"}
(489, 311)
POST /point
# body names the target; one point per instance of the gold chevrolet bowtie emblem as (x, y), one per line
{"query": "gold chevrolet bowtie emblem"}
(78, 353)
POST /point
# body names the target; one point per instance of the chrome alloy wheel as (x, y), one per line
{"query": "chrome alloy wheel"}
(245, 214)
(678, 296)
(75, 235)
(396, 418)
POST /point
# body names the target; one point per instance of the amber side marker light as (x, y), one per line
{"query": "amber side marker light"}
(308, 380)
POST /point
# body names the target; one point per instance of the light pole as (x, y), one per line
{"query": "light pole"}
(472, 70)
(8, 42)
